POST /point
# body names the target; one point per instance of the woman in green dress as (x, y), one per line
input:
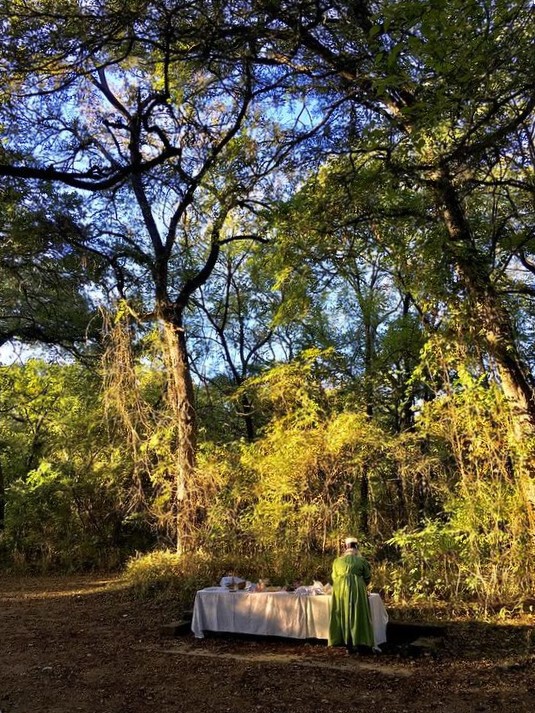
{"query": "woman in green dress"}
(351, 621)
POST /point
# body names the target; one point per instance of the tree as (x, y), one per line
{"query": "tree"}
(69, 491)
(175, 140)
(239, 307)
(439, 96)
(48, 280)
(330, 252)
(442, 123)
(129, 107)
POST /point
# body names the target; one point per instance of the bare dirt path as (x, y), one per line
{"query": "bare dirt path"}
(84, 644)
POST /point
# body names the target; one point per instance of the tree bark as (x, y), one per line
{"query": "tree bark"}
(248, 419)
(182, 402)
(491, 318)
(364, 504)
(2, 499)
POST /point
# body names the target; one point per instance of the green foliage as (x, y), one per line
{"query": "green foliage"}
(449, 506)
(164, 574)
(430, 563)
(57, 521)
(298, 487)
(293, 391)
(67, 483)
(480, 550)
(47, 280)
(387, 322)
(481, 547)
(495, 521)
(445, 517)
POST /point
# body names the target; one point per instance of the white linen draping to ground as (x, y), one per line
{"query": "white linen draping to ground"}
(273, 614)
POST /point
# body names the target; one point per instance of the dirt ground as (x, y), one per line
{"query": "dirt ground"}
(84, 644)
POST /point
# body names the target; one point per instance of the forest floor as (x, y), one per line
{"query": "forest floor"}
(85, 644)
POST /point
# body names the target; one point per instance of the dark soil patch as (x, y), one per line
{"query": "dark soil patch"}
(85, 644)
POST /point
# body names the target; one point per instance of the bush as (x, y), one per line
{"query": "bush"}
(164, 574)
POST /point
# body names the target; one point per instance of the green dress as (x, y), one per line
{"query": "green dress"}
(351, 621)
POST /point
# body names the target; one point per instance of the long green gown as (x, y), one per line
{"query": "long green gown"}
(351, 621)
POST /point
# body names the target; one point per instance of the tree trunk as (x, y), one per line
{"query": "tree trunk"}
(369, 335)
(247, 415)
(2, 499)
(364, 505)
(182, 403)
(490, 316)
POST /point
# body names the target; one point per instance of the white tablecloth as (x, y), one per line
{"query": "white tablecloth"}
(273, 614)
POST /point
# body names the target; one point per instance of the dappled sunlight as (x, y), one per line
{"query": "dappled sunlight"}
(42, 588)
